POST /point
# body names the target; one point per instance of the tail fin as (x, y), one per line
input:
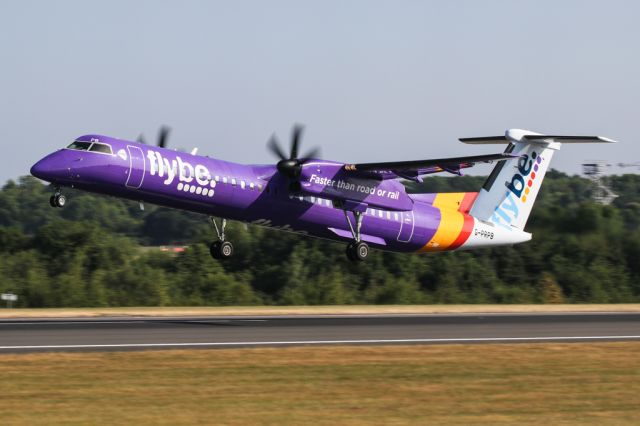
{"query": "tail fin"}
(509, 192)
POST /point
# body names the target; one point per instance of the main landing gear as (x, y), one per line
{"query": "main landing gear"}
(357, 250)
(220, 249)
(58, 199)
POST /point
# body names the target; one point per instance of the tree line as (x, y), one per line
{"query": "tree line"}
(102, 251)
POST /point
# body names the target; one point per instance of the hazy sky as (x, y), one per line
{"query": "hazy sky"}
(372, 80)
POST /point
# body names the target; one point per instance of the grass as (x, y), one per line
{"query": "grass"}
(311, 310)
(521, 384)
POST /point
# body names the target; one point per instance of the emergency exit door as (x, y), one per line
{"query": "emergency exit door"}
(136, 167)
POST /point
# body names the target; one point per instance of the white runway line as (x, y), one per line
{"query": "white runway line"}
(69, 322)
(140, 321)
(322, 342)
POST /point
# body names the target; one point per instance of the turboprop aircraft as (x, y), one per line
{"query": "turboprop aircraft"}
(364, 205)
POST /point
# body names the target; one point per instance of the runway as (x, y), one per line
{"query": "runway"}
(135, 333)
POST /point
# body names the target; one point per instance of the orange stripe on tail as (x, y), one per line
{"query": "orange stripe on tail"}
(455, 225)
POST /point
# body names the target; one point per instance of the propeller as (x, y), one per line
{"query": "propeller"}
(291, 165)
(163, 136)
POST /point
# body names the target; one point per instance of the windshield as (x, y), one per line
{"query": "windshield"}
(80, 146)
(101, 147)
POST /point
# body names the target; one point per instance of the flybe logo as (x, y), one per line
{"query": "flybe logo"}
(526, 167)
(194, 179)
(518, 188)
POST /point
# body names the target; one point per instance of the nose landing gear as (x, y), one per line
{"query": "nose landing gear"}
(58, 199)
(220, 249)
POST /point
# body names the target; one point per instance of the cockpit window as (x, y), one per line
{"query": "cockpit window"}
(80, 146)
(101, 147)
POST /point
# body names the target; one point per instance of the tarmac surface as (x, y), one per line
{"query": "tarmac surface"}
(139, 333)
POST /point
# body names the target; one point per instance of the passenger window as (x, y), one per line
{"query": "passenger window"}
(101, 147)
(242, 184)
(79, 146)
(233, 181)
(224, 179)
(251, 186)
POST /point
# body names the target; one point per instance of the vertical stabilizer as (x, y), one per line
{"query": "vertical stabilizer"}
(509, 192)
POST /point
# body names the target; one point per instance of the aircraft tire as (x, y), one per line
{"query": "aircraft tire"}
(214, 249)
(59, 200)
(361, 251)
(52, 201)
(351, 253)
(226, 250)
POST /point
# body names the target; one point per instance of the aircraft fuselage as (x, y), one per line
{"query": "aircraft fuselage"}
(257, 194)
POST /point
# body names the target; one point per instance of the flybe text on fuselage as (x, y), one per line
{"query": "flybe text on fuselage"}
(177, 169)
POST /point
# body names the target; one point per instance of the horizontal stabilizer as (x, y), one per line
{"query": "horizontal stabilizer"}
(568, 139)
(484, 140)
(517, 135)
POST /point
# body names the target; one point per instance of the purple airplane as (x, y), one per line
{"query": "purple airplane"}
(362, 205)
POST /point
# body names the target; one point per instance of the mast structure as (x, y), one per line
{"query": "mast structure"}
(594, 170)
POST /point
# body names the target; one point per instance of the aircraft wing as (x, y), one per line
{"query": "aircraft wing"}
(414, 169)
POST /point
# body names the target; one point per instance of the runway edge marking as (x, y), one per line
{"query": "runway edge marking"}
(320, 342)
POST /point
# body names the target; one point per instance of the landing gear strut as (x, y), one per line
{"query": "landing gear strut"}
(58, 199)
(357, 250)
(220, 249)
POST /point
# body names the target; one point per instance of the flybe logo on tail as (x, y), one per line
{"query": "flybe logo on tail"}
(526, 167)
(518, 188)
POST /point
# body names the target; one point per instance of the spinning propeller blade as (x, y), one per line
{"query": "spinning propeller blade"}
(275, 148)
(163, 136)
(296, 134)
(291, 165)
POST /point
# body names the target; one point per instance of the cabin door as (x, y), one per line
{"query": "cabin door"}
(406, 226)
(136, 167)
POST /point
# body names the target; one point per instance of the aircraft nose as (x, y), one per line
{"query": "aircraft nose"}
(49, 169)
(39, 169)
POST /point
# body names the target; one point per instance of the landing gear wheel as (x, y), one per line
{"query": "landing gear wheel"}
(226, 250)
(58, 200)
(361, 251)
(214, 249)
(357, 252)
(221, 250)
(350, 253)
